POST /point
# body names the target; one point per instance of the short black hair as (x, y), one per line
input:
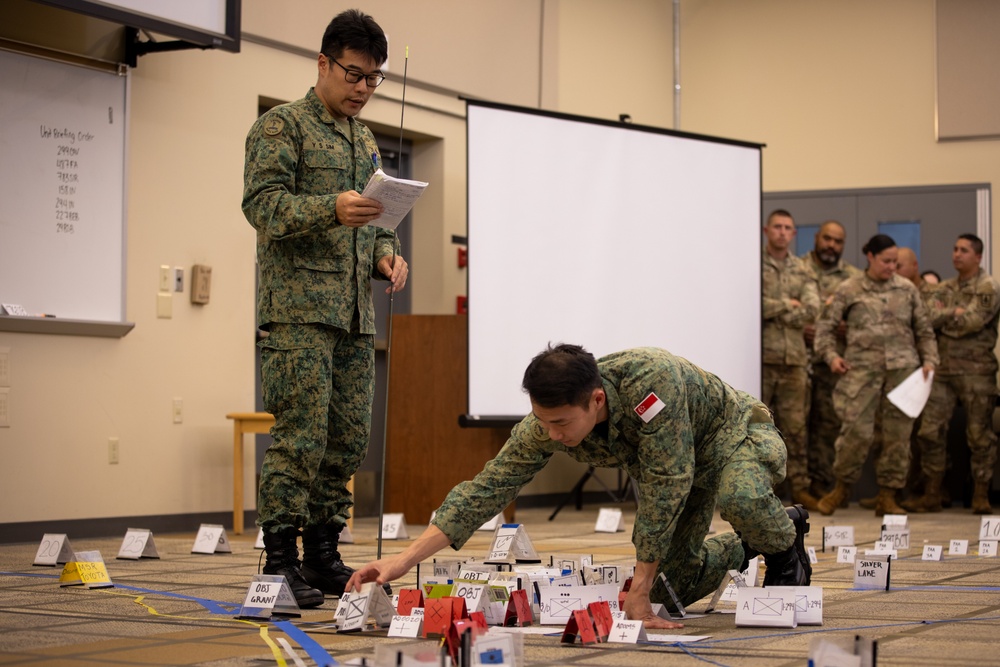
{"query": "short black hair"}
(562, 375)
(878, 243)
(355, 30)
(977, 243)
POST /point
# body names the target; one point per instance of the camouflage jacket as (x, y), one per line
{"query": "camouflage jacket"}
(887, 325)
(312, 269)
(685, 445)
(966, 343)
(780, 283)
(827, 282)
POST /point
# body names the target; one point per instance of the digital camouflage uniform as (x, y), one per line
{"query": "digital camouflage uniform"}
(786, 374)
(967, 373)
(709, 444)
(314, 300)
(889, 335)
(824, 425)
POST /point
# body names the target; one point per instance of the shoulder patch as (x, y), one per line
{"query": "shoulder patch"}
(649, 407)
(539, 433)
(273, 126)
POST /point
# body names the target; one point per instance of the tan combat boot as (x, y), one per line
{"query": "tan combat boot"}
(868, 503)
(885, 503)
(829, 503)
(804, 498)
(930, 501)
(981, 498)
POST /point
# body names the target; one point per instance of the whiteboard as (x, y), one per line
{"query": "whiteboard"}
(62, 188)
(609, 236)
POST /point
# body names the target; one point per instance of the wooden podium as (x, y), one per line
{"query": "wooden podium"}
(427, 452)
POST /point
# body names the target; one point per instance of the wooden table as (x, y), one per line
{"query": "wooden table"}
(253, 422)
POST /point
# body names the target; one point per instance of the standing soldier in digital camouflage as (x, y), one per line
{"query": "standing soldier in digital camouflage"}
(305, 163)
(685, 437)
(889, 335)
(790, 302)
(965, 312)
(827, 266)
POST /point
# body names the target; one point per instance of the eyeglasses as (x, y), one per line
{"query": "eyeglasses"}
(353, 75)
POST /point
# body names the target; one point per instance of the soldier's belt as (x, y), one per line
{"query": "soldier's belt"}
(760, 415)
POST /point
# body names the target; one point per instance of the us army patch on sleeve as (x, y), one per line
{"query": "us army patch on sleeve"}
(649, 407)
(273, 126)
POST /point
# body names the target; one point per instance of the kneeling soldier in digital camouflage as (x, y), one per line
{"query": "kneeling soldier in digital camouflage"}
(687, 439)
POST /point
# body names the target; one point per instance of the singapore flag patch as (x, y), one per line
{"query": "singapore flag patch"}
(650, 407)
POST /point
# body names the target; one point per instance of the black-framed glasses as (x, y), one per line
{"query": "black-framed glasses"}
(353, 75)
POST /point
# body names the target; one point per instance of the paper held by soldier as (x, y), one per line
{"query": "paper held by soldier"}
(397, 195)
(911, 395)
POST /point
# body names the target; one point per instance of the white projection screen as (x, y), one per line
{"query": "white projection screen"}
(610, 236)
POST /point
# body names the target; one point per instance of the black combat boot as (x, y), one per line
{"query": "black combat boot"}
(791, 567)
(282, 554)
(321, 563)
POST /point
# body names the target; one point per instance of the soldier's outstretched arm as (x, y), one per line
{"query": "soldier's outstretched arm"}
(390, 568)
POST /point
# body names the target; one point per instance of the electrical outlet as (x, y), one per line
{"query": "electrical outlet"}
(4, 366)
(4, 407)
(178, 279)
(178, 410)
(166, 278)
(113, 451)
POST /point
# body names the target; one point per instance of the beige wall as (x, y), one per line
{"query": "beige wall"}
(842, 94)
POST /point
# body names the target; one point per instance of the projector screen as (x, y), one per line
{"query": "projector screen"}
(609, 236)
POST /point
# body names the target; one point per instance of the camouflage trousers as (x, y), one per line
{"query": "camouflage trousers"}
(695, 566)
(824, 425)
(786, 393)
(977, 394)
(319, 383)
(860, 399)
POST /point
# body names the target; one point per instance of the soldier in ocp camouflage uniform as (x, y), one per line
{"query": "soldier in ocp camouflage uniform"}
(827, 266)
(687, 439)
(965, 314)
(888, 337)
(790, 302)
(305, 163)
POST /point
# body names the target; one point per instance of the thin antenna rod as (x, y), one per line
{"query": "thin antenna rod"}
(388, 343)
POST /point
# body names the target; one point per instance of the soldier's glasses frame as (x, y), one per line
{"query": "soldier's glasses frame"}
(353, 75)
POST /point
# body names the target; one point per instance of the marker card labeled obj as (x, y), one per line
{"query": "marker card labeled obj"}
(138, 543)
(267, 595)
(609, 520)
(211, 539)
(54, 549)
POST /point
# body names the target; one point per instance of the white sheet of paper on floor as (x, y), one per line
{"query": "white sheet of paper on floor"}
(958, 548)
(394, 527)
(346, 537)
(989, 528)
(894, 520)
(838, 536)
(988, 548)
(138, 543)
(512, 544)
(812, 555)
(87, 569)
(355, 608)
(211, 539)
(609, 520)
(259, 544)
(557, 603)
(932, 552)
(761, 607)
(899, 536)
(268, 594)
(846, 554)
(406, 626)
(492, 523)
(872, 572)
(627, 632)
(808, 603)
(54, 549)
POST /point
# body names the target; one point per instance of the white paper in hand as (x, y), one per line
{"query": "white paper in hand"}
(911, 395)
(397, 195)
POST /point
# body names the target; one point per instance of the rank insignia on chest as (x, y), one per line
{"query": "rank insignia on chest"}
(649, 407)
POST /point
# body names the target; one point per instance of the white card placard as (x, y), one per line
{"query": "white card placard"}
(259, 544)
(989, 528)
(394, 527)
(838, 536)
(54, 549)
(473, 592)
(512, 544)
(812, 555)
(491, 524)
(988, 548)
(932, 552)
(846, 554)
(211, 539)
(354, 608)
(627, 632)
(138, 543)
(808, 603)
(958, 548)
(268, 594)
(762, 607)
(872, 572)
(894, 520)
(496, 648)
(898, 536)
(86, 568)
(609, 520)
(557, 603)
(747, 577)
(406, 626)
